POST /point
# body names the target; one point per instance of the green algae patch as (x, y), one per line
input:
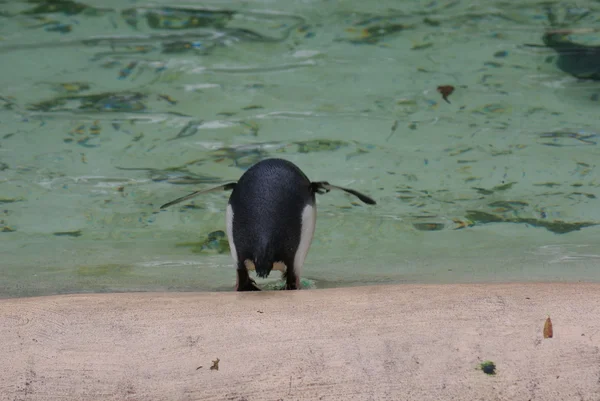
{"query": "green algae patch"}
(215, 242)
(488, 367)
(555, 226)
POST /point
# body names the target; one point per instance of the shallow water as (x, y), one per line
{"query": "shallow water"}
(108, 111)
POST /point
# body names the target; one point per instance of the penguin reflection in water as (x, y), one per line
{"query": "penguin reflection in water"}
(271, 216)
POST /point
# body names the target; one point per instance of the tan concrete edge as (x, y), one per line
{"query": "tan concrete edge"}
(400, 342)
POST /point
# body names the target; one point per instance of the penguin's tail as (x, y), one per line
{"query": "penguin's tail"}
(263, 264)
(263, 269)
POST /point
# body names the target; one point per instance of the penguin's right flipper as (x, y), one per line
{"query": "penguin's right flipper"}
(322, 187)
(224, 187)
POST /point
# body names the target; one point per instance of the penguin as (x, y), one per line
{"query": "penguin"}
(270, 220)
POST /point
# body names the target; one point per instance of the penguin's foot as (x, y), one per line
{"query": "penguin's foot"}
(244, 282)
(248, 285)
(292, 284)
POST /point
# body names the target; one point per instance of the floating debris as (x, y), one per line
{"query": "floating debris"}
(253, 127)
(72, 87)
(182, 177)
(247, 35)
(60, 28)
(104, 102)
(589, 196)
(121, 50)
(182, 46)
(431, 22)
(445, 91)
(4, 228)
(493, 64)
(484, 217)
(190, 129)
(497, 188)
(558, 138)
(76, 233)
(168, 98)
(171, 18)
(241, 156)
(503, 187)
(358, 152)
(65, 7)
(319, 145)
(84, 142)
(253, 107)
(393, 129)
(125, 72)
(215, 364)
(375, 33)
(7, 103)
(429, 226)
(509, 205)
(175, 175)
(421, 46)
(548, 333)
(95, 129)
(10, 200)
(492, 108)
(460, 224)
(456, 152)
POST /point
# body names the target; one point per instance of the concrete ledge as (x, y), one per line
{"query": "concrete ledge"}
(401, 342)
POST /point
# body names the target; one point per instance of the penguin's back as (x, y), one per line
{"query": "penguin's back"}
(268, 204)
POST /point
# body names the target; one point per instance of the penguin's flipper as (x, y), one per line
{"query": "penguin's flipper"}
(224, 187)
(323, 187)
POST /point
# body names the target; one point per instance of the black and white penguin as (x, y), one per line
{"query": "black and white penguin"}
(271, 216)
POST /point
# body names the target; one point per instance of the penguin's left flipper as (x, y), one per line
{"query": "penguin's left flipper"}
(323, 187)
(224, 187)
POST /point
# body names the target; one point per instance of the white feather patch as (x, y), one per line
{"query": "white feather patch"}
(309, 219)
(277, 266)
(229, 227)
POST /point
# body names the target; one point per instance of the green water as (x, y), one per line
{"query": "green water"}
(110, 109)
